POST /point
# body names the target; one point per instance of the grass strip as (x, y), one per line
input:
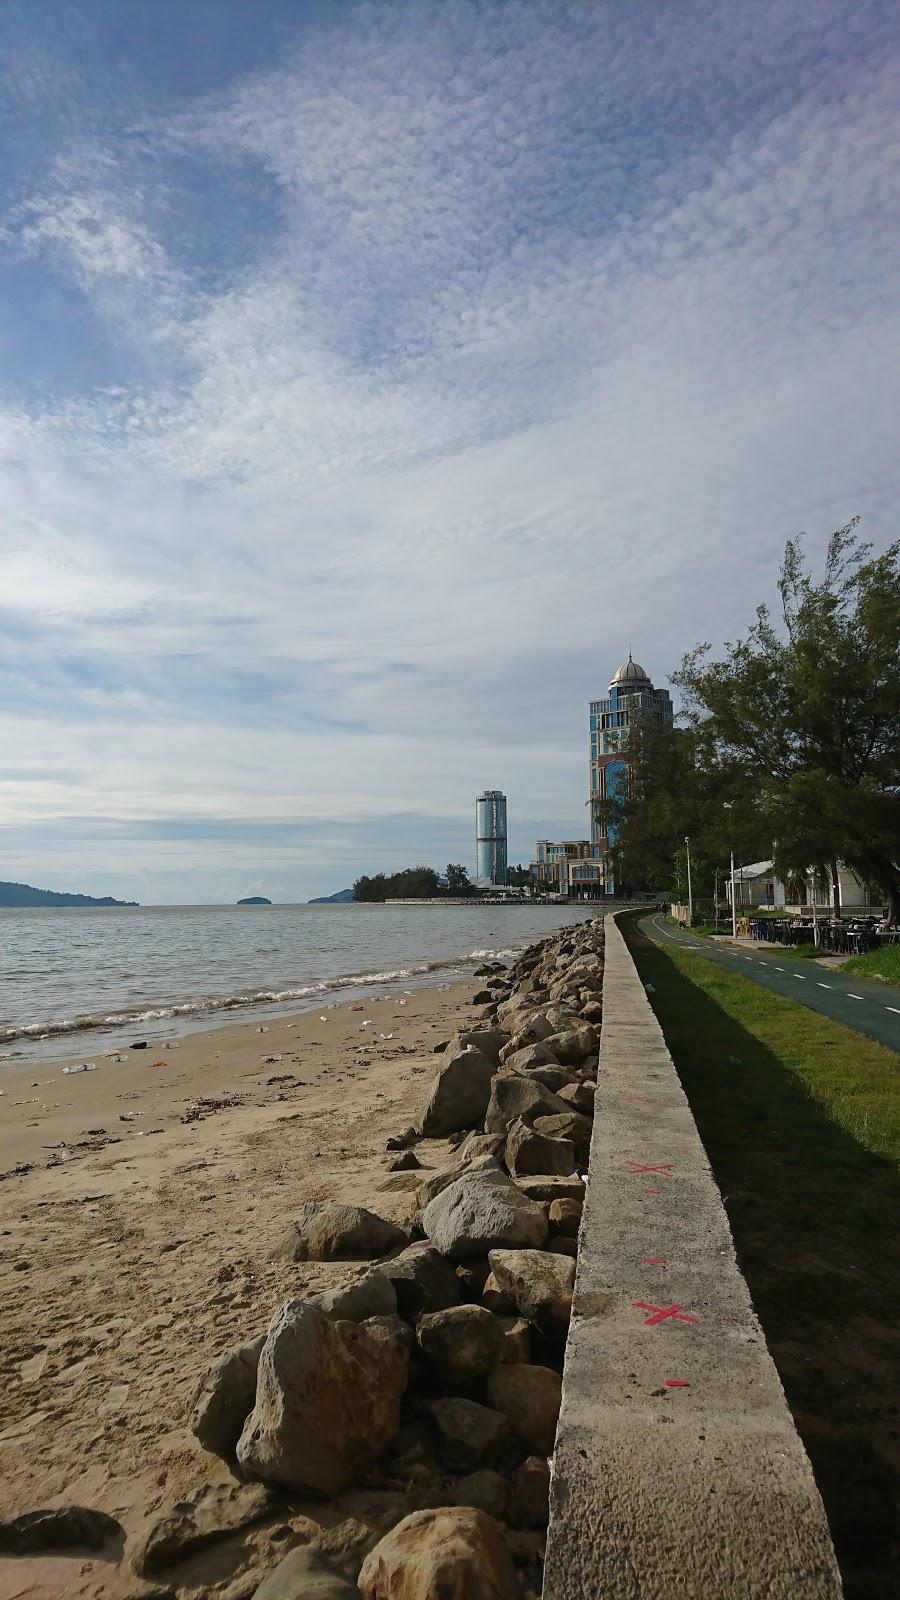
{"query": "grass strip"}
(800, 1118)
(881, 964)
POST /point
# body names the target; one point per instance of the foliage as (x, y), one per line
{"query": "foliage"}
(518, 877)
(413, 883)
(458, 882)
(792, 743)
(883, 964)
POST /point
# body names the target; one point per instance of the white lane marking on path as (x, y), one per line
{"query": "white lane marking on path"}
(801, 976)
(779, 969)
(894, 1009)
(824, 985)
(853, 996)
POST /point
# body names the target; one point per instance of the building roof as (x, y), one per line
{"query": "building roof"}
(755, 869)
(629, 674)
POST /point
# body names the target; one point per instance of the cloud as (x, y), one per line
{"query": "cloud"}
(452, 354)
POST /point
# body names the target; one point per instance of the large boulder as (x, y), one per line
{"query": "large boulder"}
(328, 1231)
(327, 1399)
(213, 1513)
(305, 1574)
(371, 1295)
(480, 1211)
(571, 1126)
(490, 1041)
(459, 1094)
(565, 1217)
(550, 1186)
(580, 1096)
(528, 1151)
(224, 1398)
(454, 1553)
(479, 1144)
(514, 1096)
(462, 1343)
(469, 1435)
(574, 1044)
(562, 1018)
(529, 1398)
(422, 1280)
(520, 1058)
(531, 1494)
(540, 1286)
(486, 1490)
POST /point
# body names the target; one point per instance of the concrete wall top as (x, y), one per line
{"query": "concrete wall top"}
(678, 1471)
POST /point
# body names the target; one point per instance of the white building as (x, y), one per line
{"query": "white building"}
(756, 885)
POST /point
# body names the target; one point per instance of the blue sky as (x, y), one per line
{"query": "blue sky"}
(372, 376)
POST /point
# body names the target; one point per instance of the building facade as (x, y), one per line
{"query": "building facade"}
(490, 837)
(631, 699)
(572, 867)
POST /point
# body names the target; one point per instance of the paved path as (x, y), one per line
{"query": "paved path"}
(870, 1008)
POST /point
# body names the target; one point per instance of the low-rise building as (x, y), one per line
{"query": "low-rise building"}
(571, 867)
(757, 885)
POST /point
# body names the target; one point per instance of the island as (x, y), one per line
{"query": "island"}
(255, 900)
(24, 894)
(342, 898)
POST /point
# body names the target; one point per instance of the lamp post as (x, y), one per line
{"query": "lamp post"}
(727, 807)
(687, 843)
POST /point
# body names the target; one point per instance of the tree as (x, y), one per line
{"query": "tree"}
(801, 719)
(458, 880)
(413, 883)
(518, 877)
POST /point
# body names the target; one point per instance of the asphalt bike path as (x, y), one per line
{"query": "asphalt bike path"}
(870, 1008)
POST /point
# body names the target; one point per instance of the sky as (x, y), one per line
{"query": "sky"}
(373, 377)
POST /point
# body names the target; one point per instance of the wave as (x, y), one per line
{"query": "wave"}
(84, 1022)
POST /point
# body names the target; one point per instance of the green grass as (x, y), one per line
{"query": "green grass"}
(883, 964)
(800, 1118)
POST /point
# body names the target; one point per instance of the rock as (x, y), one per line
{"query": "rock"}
(472, 1275)
(459, 1094)
(546, 1186)
(561, 1245)
(402, 1141)
(429, 1187)
(486, 1490)
(422, 1281)
(224, 1398)
(531, 1494)
(593, 1012)
(469, 1435)
(571, 1126)
(529, 1398)
(515, 1096)
(540, 1286)
(454, 1553)
(329, 1231)
(521, 1058)
(579, 1095)
(461, 1343)
(215, 1512)
(482, 1210)
(480, 1144)
(571, 1046)
(407, 1161)
(528, 1151)
(489, 1041)
(60, 1528)
(371, 1295)
(514, 1008)
(440, 1047)
(327, 1399)
(484, 997)
(565, 1217)
(553, 1078)
(493, 1299)
(305, 1575)
(562, 1018)
(516, 1339)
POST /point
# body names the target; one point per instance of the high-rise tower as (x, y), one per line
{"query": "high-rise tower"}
(490, 836)
(631, 698)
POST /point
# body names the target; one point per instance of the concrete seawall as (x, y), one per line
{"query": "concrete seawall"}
(678, 1471)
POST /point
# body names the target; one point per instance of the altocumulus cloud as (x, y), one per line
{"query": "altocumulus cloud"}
(367, 393)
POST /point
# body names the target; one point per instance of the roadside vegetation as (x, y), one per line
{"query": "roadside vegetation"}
(800, 1118)
(790, 749)
(879, 964)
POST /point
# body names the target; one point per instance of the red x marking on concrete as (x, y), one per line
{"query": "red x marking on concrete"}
(654, 1261)
(637, 1166)
(641, 1097)
(660, 1313)
(677, 1383)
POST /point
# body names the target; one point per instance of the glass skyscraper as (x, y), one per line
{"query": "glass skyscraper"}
(490, 836)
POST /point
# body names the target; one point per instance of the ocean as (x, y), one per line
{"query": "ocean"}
(90, 980)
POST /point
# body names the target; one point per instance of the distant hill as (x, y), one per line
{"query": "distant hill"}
(342, 898)
(255, 900)
(23, 894)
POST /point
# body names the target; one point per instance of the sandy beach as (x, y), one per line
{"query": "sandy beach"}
(139, 1205)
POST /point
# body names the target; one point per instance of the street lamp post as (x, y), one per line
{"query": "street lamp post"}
(727, 807)
(690, 895)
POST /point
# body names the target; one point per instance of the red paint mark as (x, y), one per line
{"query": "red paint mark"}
(654, 1261)
(677, 1383)
(652, 1191)
(638, 1166)
(637, 1097)
(660, 1313)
